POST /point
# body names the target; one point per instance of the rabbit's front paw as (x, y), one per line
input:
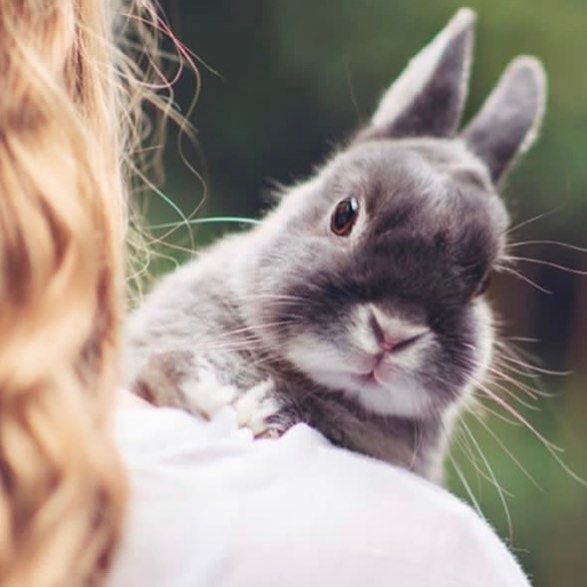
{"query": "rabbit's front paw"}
(259, 410)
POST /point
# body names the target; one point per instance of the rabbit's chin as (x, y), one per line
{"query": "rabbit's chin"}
(380, 388)
(392, 394)
(388, 394)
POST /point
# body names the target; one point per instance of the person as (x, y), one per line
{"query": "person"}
(212, 506)
(129, 494)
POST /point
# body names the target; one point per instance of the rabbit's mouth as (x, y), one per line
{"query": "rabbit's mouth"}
(380, 375)
(387, 390)
(379, 384)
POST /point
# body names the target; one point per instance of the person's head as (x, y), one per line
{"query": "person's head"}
(69, 104)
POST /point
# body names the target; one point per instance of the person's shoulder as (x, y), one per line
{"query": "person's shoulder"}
(292, 511)
(370, 521)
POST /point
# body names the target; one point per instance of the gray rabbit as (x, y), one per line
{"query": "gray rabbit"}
(357, 304)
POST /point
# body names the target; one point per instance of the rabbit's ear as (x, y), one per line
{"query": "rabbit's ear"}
(508, 123)
(428, 97)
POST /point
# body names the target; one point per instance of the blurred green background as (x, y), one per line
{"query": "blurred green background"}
(296, 76)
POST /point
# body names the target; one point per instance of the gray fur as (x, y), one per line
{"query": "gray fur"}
(291, 303)
(508, 123)
(429, 97)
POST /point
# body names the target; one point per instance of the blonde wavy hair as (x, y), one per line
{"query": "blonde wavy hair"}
(70, 113)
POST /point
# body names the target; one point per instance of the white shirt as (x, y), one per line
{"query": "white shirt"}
(210, 506)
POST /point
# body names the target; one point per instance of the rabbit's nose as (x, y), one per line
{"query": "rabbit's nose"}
(392, 335)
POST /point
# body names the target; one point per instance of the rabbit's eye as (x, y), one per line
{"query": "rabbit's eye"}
(344, 216)
(484, 285)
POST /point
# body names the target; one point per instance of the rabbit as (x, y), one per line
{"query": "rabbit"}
(357, 304)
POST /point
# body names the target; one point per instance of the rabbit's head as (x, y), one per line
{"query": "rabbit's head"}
(369, 277)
